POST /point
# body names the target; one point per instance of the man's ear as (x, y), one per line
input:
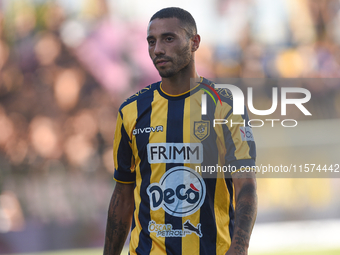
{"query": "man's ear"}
(196, 39)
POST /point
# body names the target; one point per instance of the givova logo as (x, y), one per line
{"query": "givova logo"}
(180, 192)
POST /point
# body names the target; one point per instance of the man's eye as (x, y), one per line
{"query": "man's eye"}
(151, 42)
(169, 39)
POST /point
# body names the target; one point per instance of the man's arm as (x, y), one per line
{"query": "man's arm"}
(119, 218)
(246, 210)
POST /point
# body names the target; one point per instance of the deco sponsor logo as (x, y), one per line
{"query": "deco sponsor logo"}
(180, 192)
(175, 153)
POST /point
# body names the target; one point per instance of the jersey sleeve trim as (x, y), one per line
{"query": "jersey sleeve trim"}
(124, 177)
(123, 182)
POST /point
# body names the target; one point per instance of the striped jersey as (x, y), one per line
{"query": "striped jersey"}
(176, 157)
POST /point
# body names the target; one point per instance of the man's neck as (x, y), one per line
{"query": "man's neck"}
(179, 83)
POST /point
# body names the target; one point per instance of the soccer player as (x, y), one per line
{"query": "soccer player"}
(160, 140)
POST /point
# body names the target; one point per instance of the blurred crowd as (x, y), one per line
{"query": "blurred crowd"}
(63, 75)
(56, 123)
(283, 38)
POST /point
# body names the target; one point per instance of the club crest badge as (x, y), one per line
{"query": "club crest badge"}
(202, 129)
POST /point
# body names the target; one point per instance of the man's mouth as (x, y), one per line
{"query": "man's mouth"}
(161, 62)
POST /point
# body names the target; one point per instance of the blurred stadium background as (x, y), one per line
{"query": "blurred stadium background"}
(65, 68)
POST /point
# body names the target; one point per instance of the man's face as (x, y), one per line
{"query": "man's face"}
(169, 46)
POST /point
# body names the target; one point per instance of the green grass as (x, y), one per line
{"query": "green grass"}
(100, 252)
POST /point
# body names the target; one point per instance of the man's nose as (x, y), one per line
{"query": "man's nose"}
(159, 49)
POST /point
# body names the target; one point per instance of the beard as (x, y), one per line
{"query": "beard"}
(179, 63)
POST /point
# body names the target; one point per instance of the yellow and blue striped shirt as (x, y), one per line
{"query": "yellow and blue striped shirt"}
(160, 141)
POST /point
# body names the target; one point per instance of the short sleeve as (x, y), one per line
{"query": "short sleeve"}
(122, 154)
(239, 141)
